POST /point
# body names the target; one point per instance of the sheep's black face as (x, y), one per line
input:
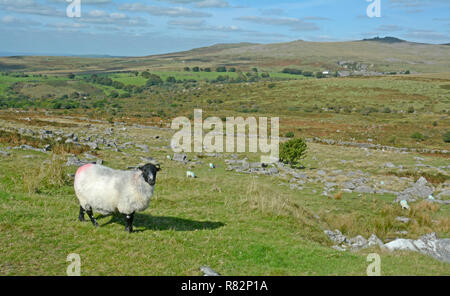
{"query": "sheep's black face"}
(149, 173)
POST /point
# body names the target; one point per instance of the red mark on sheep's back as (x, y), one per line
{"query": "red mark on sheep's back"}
(83, 168)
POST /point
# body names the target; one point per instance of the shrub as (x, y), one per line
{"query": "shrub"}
(446, 137)
(293, 151)
(221, 69)
(292, 71)
(171, 79)
(418, 136)
(435, 123)
(411, 109)
(289, 135)
(154, 80)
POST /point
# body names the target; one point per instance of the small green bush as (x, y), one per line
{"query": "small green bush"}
(446, 137)
(289, 135)
(418, 136)
(293, 151)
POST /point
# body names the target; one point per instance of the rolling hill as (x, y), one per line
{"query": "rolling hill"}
(379, 54)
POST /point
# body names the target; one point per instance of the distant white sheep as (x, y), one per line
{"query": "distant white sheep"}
(104, 190)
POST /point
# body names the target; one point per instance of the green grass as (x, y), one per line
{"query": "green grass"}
(237, 224)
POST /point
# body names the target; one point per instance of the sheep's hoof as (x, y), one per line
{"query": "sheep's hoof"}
(81, 219)
(128, 229)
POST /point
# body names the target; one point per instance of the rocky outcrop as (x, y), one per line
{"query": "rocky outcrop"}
(428, 244)
(420, 190)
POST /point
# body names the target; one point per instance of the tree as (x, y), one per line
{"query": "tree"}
(196, 69)
(292, 71)
(293, 151)
(187, 69)
(171, 79)
(71, 76)
(145, 74)
(221, 69)
(154, 80)
(319, 75)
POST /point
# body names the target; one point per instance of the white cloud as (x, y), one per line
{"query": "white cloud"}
(163, 11)
(294, 24)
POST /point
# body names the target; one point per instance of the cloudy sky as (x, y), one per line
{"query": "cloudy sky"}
(144, 27)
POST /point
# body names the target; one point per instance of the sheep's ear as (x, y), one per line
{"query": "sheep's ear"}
(141, 168)
(158, 167)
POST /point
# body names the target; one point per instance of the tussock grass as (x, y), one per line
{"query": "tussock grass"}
(382, 221)
(16, 139)
(266, 200)
(50, 175)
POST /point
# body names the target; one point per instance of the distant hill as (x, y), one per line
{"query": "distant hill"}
(388, 54)
(386, 39)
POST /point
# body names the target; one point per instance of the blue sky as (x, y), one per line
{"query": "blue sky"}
(144, 27)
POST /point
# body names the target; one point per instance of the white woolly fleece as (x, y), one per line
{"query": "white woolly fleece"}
(107, 191)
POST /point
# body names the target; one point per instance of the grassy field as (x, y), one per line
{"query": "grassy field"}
(386, 110)
(236, 223)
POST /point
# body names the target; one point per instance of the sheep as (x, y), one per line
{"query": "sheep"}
(104, 190)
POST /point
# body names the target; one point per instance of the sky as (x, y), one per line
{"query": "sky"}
(146, 27)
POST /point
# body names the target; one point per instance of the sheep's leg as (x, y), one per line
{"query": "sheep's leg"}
(81, 215)
(129, 226)
(91, 216)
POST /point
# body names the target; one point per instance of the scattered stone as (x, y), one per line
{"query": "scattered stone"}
(207, 271)
(92, 145)
(364, 189)
(389, 165)
(421, 189)
(28, 147)
(109, 131)
(74, 161)
(402, 219)
(336, 236)
(358, 242)
(4, 153)
(428, 244)
(181, 157)
(374, 241)
(143, 147)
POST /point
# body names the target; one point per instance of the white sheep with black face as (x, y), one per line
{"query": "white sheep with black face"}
(104, 190)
